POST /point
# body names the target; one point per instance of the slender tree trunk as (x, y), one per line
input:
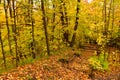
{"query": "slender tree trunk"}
(105, 18)
(64, 21)
(45, 26)
(62, 13)
(15, 33)
(3, 52)
(105, 31)
(53, 15)
(53, 20)
(29, 11)
(66, 33)
(66, 16)
(76, 23)
(8, 29)
(10, 7)
(113, 17)
(109, 13)
(33, 37)
(106, 25)
(119, 27)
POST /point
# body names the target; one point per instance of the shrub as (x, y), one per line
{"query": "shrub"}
(99, 63)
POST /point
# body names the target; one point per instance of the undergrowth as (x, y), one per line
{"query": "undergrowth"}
(99, 63)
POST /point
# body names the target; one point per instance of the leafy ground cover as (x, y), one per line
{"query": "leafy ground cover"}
(71, 64)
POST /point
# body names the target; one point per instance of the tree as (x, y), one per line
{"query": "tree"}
(15, 32)
(7, 24)
(33, 37)
(76, 23)
(113, 13)
(53, 20)
(64, 20)
(45, 26)
(2, 47)
(10, 7)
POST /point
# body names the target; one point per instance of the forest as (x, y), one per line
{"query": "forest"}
(59, 39)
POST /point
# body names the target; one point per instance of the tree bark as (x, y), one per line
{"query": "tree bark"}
(105, 18)
(113, 16)
(53, 20)
(10, 7)
(76, 23)
(15, 33)
(62, 13)
(8, 29)
(64, 21)
(33, 37)
(109, 13)
(2, 47)
(45, 26)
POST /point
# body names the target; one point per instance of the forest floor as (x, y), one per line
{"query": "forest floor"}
(64, 66)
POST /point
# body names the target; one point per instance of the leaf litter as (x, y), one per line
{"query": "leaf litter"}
(76, 68)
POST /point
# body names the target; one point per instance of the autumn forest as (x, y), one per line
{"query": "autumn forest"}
(59, 39)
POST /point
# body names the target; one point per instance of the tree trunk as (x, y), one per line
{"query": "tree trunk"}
(15, 33)
(10, 7)
(105, 18)
(3, 52)
(64, 21)
(53, 21)
(45, 26)
(76, 23)
(33, 37)
(62, 13)
(8, 29)
(113, 16)
(53, 16)
(109, 13)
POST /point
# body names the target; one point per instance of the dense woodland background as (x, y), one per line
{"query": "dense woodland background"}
(31, 29)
